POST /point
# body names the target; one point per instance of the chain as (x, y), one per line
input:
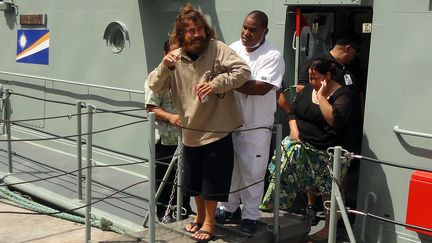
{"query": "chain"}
(169, 206)
(345, 158)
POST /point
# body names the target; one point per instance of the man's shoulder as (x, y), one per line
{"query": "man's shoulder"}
(217, 46)
(236, 44)
(270, 50)
(217, 43)
(327, 55)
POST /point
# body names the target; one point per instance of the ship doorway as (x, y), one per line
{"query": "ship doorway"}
(319, 26)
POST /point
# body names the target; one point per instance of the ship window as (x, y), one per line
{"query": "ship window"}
(116, 35)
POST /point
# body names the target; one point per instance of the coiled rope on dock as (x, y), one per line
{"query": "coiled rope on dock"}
(24, 202)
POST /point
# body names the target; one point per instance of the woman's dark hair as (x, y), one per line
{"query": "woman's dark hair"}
(323, 66)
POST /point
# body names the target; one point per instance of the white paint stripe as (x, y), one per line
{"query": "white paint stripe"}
(44, 45)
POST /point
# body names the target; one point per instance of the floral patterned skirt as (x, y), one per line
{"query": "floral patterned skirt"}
(303, 167)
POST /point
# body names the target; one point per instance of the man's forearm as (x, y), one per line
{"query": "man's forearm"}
(254, 87)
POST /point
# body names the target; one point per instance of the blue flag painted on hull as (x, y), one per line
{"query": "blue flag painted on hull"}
(33, 46)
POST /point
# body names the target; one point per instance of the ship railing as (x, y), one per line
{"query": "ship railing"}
(337, 153)
(337, 205)
(91, 110)
(276, 129)
(336, 198)
(90, 164)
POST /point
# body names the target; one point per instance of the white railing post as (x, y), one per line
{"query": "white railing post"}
(90, 110)
(277, 179)
(179, 178)
(79, 151)
(7, 117)
(152, 178)
(336, 177)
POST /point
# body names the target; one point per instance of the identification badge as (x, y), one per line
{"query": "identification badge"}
(348, 80)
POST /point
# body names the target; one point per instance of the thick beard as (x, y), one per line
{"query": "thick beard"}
(196, 48)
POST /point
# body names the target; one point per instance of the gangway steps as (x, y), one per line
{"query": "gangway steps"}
(293, 229)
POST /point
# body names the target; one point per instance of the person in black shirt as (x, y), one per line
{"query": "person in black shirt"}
(319, 118)
(343, 53)
(321, 113)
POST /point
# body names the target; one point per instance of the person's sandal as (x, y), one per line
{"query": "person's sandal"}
(207, 239)
(192, 225)
(316, 238)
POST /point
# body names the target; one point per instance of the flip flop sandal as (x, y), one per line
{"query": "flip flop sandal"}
(317, 238)
(193, 225)
(201, 232)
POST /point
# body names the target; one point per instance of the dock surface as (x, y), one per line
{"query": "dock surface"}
(293, 229)
(16, 228)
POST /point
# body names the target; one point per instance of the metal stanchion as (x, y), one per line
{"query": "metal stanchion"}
(163, 183)
(345, 217)
(2, 105)
(277, 184)
(179, 179)
(336, 177)
(90, 110)
(152, 177)
(79, 151)
(7, 116)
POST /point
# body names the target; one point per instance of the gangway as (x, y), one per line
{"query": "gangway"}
(293, 229)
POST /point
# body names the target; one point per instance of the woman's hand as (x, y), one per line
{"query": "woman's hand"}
(322, 89)
(295, 135)
(325, 107)
(294, 132)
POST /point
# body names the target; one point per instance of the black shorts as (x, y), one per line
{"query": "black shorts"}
(208, 169)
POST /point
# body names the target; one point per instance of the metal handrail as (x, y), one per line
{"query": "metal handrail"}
(336, 198)
(276, 223)
(396, 129)
(72, 82)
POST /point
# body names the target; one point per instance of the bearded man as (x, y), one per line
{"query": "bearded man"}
(207, 122)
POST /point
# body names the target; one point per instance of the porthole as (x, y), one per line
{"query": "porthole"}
(116, 36)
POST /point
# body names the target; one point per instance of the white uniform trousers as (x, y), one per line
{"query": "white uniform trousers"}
(251, 155)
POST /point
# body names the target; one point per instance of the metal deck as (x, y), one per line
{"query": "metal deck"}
(293, 229)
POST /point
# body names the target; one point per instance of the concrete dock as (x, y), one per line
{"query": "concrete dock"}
(16, 228)
(293, 229)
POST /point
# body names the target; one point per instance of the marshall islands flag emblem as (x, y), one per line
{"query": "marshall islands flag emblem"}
(33, 46)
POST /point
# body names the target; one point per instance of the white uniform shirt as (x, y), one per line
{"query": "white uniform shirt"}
(267, 65)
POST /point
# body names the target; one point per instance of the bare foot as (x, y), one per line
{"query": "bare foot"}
(193, 226)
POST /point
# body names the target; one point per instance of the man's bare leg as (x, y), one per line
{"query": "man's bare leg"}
(209, 222)
(200, 217)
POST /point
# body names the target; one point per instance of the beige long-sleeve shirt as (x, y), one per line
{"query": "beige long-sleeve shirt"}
(210, 121)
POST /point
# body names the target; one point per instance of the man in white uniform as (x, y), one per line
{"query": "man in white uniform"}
(256, 100)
